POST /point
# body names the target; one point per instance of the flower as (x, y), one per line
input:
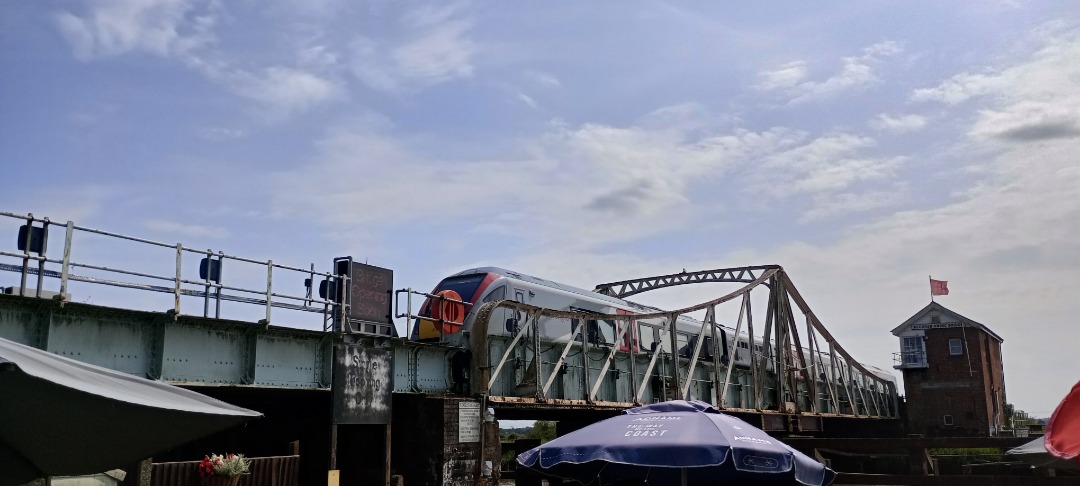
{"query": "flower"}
(228, 465)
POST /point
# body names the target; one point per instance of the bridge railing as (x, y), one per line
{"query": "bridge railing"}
(436, 299)
(34, 259)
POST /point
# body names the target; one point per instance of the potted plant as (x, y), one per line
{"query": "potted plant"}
(222, 470)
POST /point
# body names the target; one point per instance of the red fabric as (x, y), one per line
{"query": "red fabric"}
(1063, 431)
(939, 287)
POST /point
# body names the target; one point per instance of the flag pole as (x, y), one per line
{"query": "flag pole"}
(931, 277)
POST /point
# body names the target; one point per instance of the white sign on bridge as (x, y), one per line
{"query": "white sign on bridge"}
(468, 422)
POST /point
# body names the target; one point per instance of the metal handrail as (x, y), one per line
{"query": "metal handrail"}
(212, 289)
(408, 315)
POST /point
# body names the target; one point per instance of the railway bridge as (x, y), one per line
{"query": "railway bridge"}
(318, 354)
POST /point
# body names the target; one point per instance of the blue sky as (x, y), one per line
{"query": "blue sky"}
(862, 145)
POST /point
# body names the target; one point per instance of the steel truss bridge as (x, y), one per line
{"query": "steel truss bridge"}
(788, 369)
(817, 377)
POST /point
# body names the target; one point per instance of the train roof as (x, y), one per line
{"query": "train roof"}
(556, 285)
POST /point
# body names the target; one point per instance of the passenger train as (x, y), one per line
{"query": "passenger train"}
(486, 284)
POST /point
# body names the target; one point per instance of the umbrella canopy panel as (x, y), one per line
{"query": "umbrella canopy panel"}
(1063, 430)
(1035, 453)
(63, 417)
(660, 443)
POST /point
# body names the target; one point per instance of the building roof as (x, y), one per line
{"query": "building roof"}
(934, 306)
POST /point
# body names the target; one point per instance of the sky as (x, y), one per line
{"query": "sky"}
(863, 146)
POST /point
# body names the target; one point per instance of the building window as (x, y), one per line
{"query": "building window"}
(912, 351)
(956, 347)
(947, 419)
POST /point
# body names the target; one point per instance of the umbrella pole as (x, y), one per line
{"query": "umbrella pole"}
(682, 474)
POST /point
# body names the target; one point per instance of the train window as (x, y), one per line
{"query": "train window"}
(598, 332)
(592, 330)
(706, 349)
(498, 294)
(607, 331)
(647, 337)
(665, 339)
(745, 345)
(683, 342)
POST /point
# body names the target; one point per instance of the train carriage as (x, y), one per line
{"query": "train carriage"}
(645, 336)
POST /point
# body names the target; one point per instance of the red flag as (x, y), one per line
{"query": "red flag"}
(939, 287)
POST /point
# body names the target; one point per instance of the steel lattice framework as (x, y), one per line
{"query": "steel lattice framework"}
(626, 288)
(789, 368)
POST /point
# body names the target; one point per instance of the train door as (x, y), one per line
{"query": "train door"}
(630, 339)
(521, 295)
(513, 324)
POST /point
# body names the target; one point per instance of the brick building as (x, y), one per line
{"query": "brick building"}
(953, 377)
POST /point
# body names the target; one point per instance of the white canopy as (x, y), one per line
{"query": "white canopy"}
(59, 416)
(1035, 453)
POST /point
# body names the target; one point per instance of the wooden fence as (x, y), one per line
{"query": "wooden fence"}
(265, 471)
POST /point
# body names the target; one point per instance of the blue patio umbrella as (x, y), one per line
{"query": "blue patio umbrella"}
(672, 443)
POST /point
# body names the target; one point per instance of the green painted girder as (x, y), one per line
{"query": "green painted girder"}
(182, 350)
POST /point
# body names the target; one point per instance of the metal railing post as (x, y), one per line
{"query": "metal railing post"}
(217, 291)
(176, 284)
(206, 288)
(41, 260)
(26, 253)
(269, 291)
(66, 266)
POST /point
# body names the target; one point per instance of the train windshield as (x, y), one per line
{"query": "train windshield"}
(465, 285)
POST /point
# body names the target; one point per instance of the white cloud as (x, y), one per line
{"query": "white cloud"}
(437, 49)
(591, 180)
(1031, 121)
(524, 98)
(831, 205)
(823, 168)
(544, 80)
(184, 30)
(899, 123)
(1035, 100)
(786, 76)
(159, 27)
(959, 88)
(283, 89)
(856, 72)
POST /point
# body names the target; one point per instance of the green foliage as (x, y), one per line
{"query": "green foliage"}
(543, 430)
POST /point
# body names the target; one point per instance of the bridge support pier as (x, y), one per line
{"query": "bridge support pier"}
(444, 441)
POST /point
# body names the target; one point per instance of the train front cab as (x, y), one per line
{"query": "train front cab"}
(470, 288)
